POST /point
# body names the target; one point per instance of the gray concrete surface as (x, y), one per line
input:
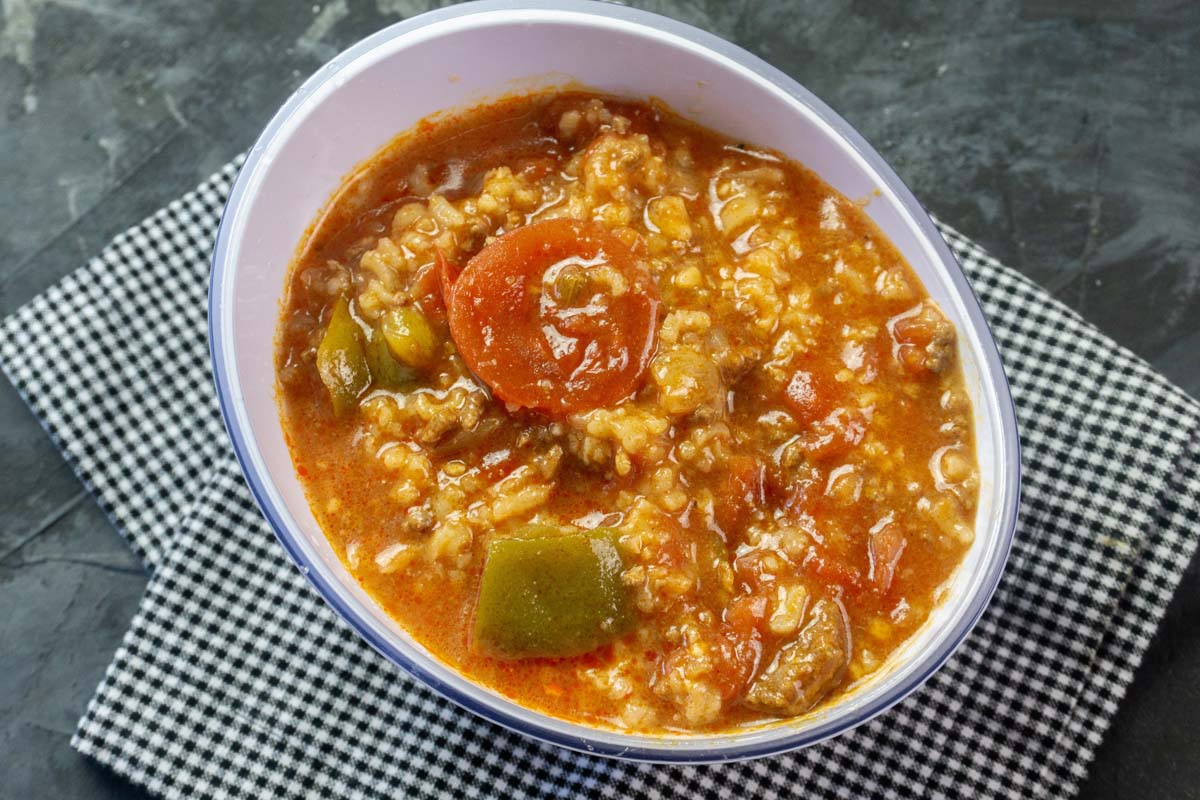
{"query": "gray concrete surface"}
(1062, 134)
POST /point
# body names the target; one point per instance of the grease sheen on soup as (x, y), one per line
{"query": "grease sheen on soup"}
(637, 425)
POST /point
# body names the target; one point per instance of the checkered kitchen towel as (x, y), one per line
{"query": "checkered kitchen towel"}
(237, 681)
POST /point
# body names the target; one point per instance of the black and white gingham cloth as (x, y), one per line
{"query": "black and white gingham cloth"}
(237, 681)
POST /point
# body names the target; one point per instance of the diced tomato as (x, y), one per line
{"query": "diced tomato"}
(427, 284)
(809, 396)
(884, 549)
(541, 352)
(742, 654)
(742, 492)
(835, 435)
(746, 611)
(923, 340)
(447, 274)
(831, 570)
(914, 330)
(741, 648)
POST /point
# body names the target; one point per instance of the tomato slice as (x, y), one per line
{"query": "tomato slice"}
(557, 316)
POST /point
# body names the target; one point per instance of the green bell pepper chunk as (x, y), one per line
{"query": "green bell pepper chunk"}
(546, 593)
(341, 362)
(386, 370)
(410, 336)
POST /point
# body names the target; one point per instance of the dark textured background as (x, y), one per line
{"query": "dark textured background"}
(1064, 135)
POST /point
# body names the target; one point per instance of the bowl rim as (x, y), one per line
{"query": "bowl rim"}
(491, 706)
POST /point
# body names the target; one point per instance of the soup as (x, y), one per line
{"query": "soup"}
(639, 426)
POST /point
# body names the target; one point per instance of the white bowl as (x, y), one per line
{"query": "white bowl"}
(459, 57)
